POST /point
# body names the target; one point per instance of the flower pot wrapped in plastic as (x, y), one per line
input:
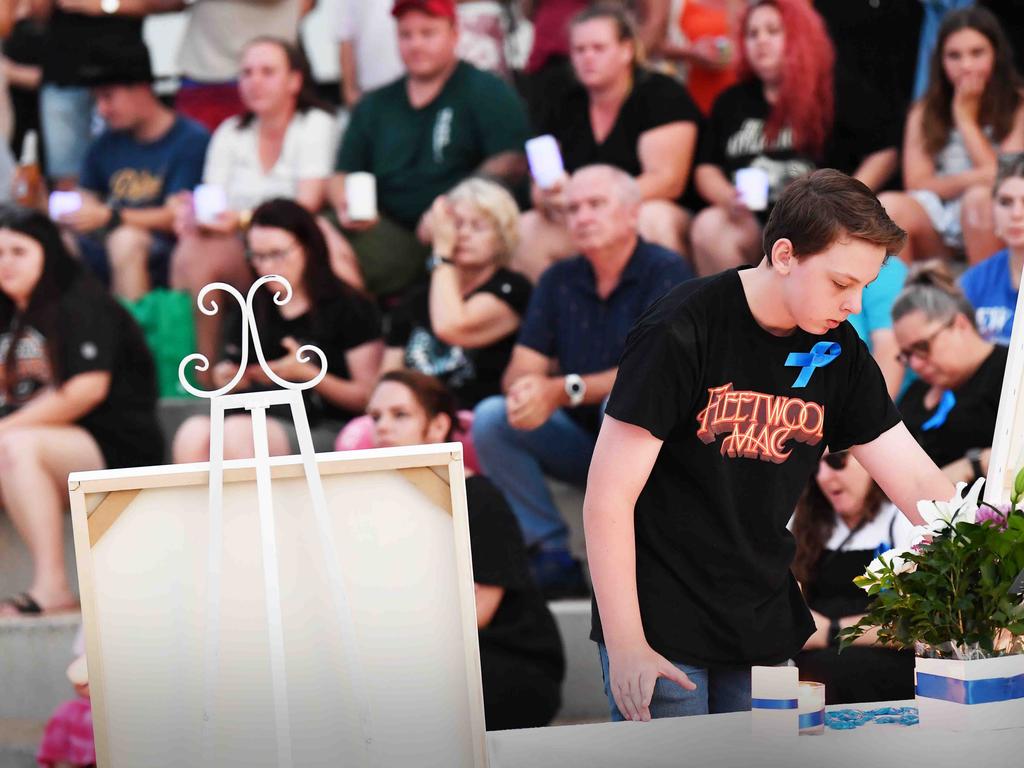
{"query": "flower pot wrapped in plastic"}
(955, 598)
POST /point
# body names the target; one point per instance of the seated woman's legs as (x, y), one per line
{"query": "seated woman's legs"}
(202, 259)
(34, 466)
(192, 440)
(923, 242)
(665, 224)
(721, 241)
(978, 226)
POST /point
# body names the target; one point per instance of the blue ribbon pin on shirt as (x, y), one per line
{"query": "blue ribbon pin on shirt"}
(821, 354)
(939, 417)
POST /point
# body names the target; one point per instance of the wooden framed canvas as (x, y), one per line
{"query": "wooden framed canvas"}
(182, 674)
(1008, 440)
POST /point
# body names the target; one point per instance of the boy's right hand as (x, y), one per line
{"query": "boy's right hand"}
(633, 672)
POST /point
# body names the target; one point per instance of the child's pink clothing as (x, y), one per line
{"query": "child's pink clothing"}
(358, 434)
(68, 736)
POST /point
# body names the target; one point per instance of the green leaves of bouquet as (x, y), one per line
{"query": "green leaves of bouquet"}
(949, 595)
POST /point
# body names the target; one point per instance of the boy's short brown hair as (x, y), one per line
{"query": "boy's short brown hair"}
(816, 210)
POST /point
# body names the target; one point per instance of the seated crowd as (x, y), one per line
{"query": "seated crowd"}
(478, 305)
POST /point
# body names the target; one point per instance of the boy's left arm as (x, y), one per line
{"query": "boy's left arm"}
(903, 471)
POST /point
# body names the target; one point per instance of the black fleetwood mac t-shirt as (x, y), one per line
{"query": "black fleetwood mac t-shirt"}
(745, 417)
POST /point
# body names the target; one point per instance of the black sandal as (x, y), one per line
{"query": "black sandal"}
(24, 604)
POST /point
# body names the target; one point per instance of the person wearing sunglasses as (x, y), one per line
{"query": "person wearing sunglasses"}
(285, 239)
(841, 522)
(951, 408)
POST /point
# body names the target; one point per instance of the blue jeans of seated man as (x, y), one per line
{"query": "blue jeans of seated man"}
(719, 689)
(516, 461)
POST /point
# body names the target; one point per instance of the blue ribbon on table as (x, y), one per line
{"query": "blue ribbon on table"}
(773, 704)
(985, 691)
(938, 418)
(821, 354)
(812, 719)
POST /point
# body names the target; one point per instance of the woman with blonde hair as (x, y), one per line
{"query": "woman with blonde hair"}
(462, 326)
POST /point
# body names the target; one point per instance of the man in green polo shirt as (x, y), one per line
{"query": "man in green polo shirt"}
(421, 135)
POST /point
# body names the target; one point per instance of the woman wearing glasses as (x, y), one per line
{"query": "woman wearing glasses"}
(951, 408)
(284, 239)
(841, 522)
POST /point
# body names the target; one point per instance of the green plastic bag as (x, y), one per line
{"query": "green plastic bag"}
(168, 325)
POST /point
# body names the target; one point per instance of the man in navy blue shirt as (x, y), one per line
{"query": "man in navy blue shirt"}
(565, 360)
(130, 173)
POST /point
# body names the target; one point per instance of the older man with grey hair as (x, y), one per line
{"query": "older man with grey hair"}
(564, 363)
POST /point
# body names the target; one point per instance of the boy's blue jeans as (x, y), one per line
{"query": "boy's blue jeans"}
(719, 689)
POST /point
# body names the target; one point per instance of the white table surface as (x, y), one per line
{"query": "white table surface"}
(726, 741)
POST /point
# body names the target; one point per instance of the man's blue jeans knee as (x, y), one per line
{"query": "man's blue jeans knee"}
(517, 461)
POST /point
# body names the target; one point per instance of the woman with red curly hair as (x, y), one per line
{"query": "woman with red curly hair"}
(785, 119)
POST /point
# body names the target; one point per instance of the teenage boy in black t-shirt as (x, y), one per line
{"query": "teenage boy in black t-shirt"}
(729, 391)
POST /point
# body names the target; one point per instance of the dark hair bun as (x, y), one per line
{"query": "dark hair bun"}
(935, 274)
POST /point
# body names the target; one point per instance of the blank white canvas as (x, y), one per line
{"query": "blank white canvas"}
(398, 556)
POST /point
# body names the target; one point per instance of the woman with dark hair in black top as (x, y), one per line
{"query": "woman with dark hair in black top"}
(77, 392)
(521, 659)
(285, 239)
(841, 523)
(951, 408)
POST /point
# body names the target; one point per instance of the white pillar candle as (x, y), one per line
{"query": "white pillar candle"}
(812, 708)
(774, 693)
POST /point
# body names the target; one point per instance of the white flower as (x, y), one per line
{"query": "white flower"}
(939, 514)
(893, 558)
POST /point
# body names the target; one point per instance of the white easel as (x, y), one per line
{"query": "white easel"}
(256, 404)
(1008, 440)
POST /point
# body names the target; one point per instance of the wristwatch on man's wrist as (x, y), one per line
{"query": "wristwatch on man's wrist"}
(110, 7)
(575, 388)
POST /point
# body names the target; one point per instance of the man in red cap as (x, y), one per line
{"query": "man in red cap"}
(443, 8)
(420, 136)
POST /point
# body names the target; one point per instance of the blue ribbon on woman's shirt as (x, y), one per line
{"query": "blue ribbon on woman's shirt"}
(946, 404)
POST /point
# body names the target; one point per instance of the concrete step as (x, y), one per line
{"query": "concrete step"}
(19, 741)
(583, 698)
(16, 565)
(34, 655)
